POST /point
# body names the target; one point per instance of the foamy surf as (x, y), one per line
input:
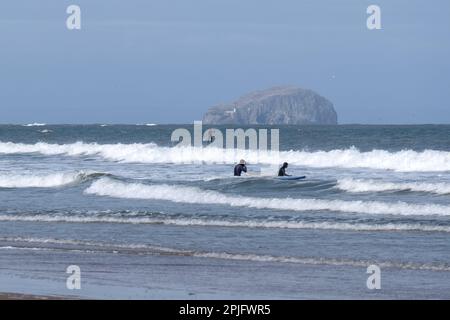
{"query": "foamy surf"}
(359, 185)
(53, 180)
(35, 124)
(250, 223)
(117, 189)
(402, 161)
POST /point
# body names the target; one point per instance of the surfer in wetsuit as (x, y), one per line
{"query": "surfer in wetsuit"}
(282, 171)
(239, 168)
(210, 136)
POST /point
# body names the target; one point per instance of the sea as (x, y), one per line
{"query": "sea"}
(139, 217)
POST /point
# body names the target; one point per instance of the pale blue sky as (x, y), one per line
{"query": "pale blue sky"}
(167, 61)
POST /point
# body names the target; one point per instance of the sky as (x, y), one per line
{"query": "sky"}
(168, 61)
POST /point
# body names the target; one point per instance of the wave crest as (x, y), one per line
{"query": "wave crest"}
(35, 124)
(358, 185)
(250, 223)
(117, 189)
(44, 181)
(406, 160)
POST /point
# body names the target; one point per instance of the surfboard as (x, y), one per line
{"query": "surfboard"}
(292, 177)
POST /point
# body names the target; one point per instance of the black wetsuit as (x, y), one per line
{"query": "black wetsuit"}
(239, 168)
(282, 172)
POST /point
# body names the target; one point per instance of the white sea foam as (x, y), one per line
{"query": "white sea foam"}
(359, 185)
(89, 246)
(285, 224)
(112, 188)
(321, 261)
(92, 247)
(35, 124)
(40, 180)
(407, 160)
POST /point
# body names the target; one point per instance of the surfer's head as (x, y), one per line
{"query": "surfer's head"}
(285, 165)
(242, 161)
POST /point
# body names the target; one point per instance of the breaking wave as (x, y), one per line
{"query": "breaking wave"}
(251, 223)
(35, 124)
(44, 181)
(405, 161)
(357, 185)
(117, 189)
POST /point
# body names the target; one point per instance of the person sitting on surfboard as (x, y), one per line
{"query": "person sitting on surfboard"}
(239, 168)
(282, 171)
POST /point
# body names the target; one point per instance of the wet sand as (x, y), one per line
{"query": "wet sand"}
(18, 296)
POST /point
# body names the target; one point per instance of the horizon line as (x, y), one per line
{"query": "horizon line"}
(208, 124)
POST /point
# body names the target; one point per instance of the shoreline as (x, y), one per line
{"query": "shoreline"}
(24, 296)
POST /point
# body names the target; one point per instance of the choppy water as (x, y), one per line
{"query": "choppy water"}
(126, 196)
